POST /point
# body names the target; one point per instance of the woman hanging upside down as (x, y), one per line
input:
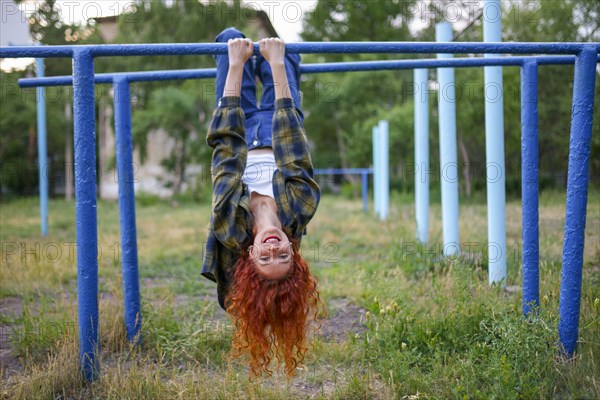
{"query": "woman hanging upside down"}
(264, 196)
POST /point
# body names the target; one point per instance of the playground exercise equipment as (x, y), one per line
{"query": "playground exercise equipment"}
(586, 57)
(364, 175)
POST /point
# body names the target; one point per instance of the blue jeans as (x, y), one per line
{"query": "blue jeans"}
(259, 118)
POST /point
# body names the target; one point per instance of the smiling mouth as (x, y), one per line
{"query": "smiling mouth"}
(272, 239)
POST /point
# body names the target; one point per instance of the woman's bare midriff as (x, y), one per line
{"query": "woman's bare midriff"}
(262, 150)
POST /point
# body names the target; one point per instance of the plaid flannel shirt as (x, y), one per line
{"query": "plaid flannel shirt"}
(296, 192)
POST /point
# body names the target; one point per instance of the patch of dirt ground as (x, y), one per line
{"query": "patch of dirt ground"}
(343, 320)
(10, 307)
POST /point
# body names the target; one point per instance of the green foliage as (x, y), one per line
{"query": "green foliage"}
(36, 334)
(343, 108)
(471, 337)
(186, 334)
(189, 103)
(18, 150)
(175, 111)
(551, 22)
(340, 20)
(47, 27)
(17, 118)
(405, 321)
(181, 109)
(144, 199)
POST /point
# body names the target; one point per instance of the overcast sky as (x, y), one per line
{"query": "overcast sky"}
(285, 15)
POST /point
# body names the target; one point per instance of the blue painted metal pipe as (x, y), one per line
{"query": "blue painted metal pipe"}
(376, 171)
(342, 171)
(112, 50)
(365, 190)
(529, 186)
(129, 253)
(577, 193)
(422, 154)
(140, 76)
(364, 172)
(448, 151)
(85, 212)
(84, 53)
(494, 149)
(43, 167)
(144, 76)
(384, 167)
(465, 62)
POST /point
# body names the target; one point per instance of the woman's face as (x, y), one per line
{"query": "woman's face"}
(271, 253)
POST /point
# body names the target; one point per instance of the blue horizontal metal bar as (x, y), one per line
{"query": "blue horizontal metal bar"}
(140, 76)
(433, 63)
(342, 171)
(36, 51)
(303, 47)
(552, 60)
(309, 69)
(171, 75)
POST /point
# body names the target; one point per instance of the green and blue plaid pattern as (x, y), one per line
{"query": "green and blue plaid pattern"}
(296, 192)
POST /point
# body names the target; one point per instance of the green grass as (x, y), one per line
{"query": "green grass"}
(431, 327)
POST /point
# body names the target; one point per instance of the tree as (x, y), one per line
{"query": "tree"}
(342, 108)
(554, 21)
(17, 125)
(181, 109)
(47, 28)
(351, 103)
(17, 114)
(177, 112)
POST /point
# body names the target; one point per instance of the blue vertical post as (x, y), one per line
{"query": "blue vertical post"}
(129, 254)
(85, 211)
(422, 154)
(384, 165)
(376, 176)
(577, 193)
(529, 185)
(494, 149)
(44, 168)
(365, 190)
(448, 152)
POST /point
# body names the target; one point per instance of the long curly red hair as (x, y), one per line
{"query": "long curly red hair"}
(272, 317)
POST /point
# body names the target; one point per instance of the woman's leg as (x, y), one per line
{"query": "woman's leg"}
(248, 92)
(292, 70)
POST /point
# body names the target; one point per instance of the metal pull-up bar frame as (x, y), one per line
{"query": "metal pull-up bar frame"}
(586, 56)
(170, 49)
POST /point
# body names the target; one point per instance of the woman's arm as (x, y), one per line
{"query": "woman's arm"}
(239, 51)
(273, 50)
(226, 136)
(297, 194)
